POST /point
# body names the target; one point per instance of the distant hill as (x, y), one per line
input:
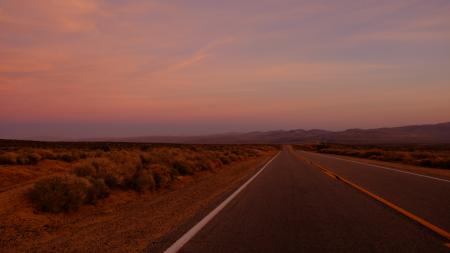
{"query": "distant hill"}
(417, 134)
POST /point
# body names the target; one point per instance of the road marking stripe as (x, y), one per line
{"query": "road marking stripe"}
(330, 175)
(176, 246)
(402, 211)
(383, 167)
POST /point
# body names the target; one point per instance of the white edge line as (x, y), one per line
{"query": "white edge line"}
(383, 167)
(195, 229)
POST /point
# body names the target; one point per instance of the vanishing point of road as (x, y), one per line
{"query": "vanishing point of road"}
(292, 206)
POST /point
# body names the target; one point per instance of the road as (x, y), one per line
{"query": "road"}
(424, 196)
(291, 206)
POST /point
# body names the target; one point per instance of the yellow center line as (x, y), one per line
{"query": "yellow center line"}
(441, 232)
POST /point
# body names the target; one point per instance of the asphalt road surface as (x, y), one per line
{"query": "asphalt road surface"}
(292, 206)
(424, 196)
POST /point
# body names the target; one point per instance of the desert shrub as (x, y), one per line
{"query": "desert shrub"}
(99, 168)
(147, 158)
(142, 181)
(183, 167)
(122, 162)
(161, 155)
(111, 180)
(321, 146)
(161, 174)
(33, 158)
(46, 154)
(236, 158)
(434, 162)
(425, 162)
(105, 147)
(57, 194)
(104, 168)
(348, 152)
(21, 159)
(97, 190)
(66, 157)
(8, 158)
(28, 158)
(394, 156)
(217, 163)
(225, 160)
(371, 153)
(145, 148)
(421, 155)
(85, 169)
(203, 163)
(444, 163)
(83, 155)
(250, 153)
(102, 165)
(98, 153)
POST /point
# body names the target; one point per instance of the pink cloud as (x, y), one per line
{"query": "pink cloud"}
(61, 16)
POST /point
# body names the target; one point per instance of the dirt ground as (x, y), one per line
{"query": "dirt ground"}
(125, 222)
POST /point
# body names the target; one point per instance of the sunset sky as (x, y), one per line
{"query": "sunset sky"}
(93, 68)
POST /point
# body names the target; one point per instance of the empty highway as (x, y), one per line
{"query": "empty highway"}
(426, 197)
(292, 206)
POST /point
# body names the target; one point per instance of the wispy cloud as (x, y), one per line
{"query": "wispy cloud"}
(200, 55)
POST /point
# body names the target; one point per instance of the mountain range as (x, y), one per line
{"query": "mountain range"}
(414, 134)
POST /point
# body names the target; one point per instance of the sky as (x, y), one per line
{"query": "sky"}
(117, 68)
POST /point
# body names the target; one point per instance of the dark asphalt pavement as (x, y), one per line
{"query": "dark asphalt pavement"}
(425, 197)
(293, 207)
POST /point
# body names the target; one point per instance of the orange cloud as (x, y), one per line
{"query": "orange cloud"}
(61, 16)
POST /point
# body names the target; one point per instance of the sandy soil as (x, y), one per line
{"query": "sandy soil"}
(124, 222)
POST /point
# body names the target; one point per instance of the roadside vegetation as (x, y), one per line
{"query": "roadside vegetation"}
(433, 156)
(97, 170)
